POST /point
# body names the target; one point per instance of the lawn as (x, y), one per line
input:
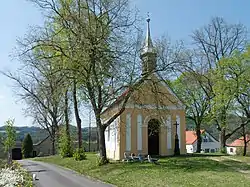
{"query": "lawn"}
(172, 171)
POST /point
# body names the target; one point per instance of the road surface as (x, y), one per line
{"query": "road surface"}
(50, 175)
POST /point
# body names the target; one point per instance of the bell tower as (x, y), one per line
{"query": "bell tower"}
(148, 54)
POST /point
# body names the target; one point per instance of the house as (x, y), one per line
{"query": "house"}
(237, 145)
(43, 147)
(152, 117)
(209, 143)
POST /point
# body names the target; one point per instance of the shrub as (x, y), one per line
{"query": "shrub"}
(101, 161)
(79, 154)
(27, 146)
(64, 144)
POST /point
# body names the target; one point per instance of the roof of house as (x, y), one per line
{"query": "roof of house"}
(239, 142)
(40, 142)
(191, 136)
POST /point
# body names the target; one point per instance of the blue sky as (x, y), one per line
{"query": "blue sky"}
(176, 18)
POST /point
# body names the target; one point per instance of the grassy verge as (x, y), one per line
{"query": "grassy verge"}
(181, 171)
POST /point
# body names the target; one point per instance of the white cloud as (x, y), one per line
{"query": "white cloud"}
(1, 96)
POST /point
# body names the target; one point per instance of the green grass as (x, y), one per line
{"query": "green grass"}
(172, 171)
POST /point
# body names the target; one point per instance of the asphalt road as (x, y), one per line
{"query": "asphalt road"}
(50, 175)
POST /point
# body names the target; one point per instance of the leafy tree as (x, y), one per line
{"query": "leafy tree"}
(10, 139)
(236, 75)
(196, 100)
(27, 146)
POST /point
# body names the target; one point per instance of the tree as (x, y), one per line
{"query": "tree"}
(237, 73)
(10, 139)
(214, 42)
(27, 146)
(40, 88)
(196, 100)
(96, 40)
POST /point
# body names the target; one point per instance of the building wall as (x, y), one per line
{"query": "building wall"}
(45, 148)
(231, 150)
(146, 116)
(190, 148)
(112, 140)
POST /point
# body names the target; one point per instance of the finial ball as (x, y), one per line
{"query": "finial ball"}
(148, 18)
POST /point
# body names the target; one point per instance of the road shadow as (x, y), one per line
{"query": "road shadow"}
(38, 171)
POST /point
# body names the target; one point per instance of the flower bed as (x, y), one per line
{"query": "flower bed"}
(15, 176)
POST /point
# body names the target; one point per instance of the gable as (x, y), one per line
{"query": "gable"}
(209, 137)
(155, 92)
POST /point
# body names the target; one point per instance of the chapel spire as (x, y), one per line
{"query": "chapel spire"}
(148, 53)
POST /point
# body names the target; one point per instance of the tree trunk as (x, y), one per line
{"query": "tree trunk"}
(245, 141)
(77, 116)
(66, 115)
(223, 140)
(9, 155)
(53, 146)
(97, 140)
(199, 140)
(102, 146)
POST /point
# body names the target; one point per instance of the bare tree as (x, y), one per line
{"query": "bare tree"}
(40, 88)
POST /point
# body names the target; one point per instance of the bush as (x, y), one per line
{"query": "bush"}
(79, 154)
(64, 144)
(101, 161)
(27, 146)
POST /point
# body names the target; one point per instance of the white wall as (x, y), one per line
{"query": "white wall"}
(111, 138)
(189, 148)
(231, 150)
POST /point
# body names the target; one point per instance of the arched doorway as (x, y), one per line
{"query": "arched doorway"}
(153, 137)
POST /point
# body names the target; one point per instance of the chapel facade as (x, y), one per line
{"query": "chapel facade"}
(148, 124)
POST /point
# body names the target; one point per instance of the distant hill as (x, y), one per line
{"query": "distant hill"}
(39, 134)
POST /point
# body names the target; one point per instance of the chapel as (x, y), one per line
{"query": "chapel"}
(153, 115)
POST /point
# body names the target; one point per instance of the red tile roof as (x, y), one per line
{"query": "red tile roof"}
(191, 136)
(239, 142)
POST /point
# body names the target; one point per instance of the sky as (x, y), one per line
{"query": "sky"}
(174, 18)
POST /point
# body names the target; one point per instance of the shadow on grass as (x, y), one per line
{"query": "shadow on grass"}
(180, 164)
(194, 155)
(236, 164)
